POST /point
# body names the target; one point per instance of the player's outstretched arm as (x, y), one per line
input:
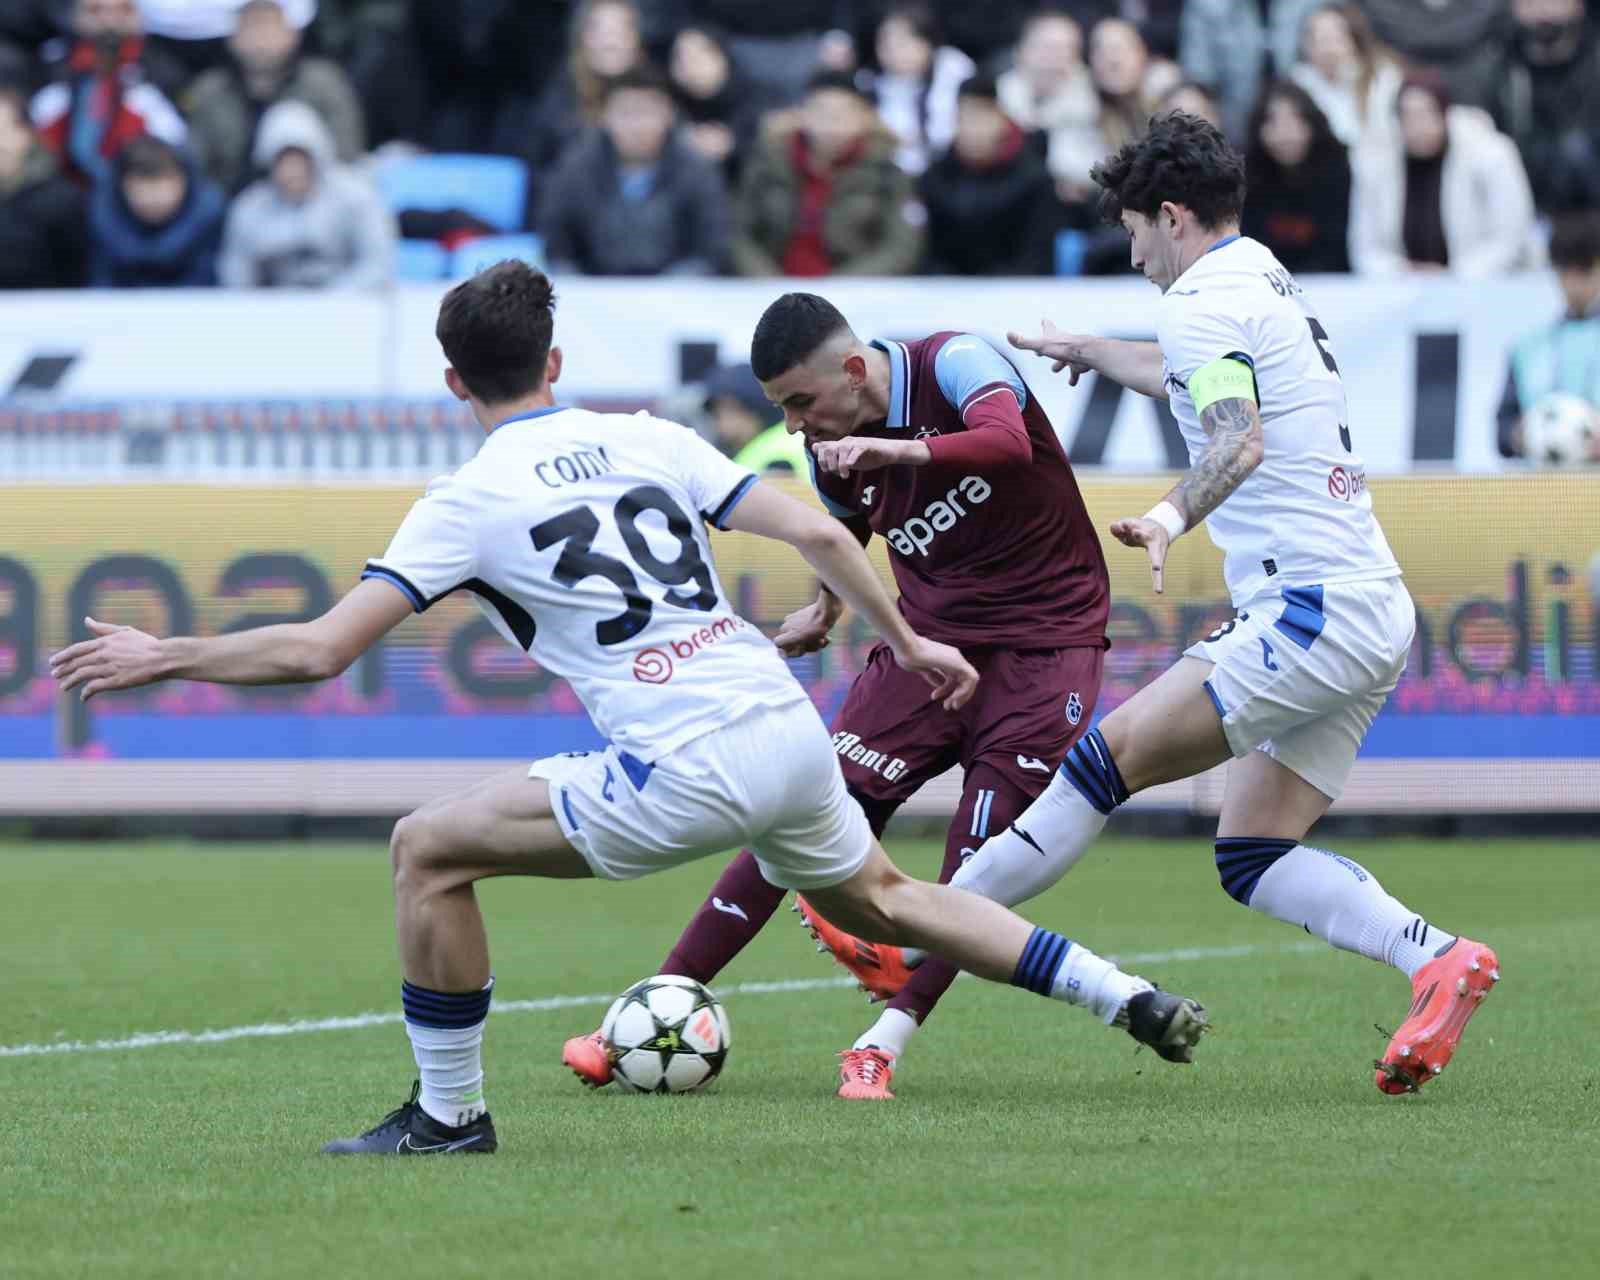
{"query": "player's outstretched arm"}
(289, 653)
(1235, 449)
(831, 549)
(1136, 365)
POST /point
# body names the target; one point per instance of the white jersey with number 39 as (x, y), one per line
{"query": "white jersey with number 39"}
(1304, 516)
(582, 537)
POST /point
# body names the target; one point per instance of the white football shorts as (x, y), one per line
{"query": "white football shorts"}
(768, 781)
(1302, 672)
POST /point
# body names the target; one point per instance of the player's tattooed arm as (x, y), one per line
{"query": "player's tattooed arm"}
(1233, 451)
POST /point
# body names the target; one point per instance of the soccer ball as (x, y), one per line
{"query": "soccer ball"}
(1561, 431)
(666, 1034)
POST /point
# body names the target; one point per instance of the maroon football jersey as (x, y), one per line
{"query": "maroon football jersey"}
(996, 553)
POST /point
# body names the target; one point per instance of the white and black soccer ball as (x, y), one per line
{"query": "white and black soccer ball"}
(1561, 431)
(666, 1034)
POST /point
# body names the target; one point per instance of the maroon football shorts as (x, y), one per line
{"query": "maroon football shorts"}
(1031, 705)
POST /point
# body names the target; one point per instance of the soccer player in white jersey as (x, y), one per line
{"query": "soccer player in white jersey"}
(1288, 688)
(582, 537)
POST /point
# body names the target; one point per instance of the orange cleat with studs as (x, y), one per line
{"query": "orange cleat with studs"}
(1445, 992)
(879, 970)
(864, 1075)
(589, 1059)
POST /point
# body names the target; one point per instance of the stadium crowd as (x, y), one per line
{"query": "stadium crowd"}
(244, 142)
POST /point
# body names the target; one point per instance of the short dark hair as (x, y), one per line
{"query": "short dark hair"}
(840, 81)
(1575, 240)
(790, 332)
(496, 330)
(148, 157)
(1180, 158)
(641, 76)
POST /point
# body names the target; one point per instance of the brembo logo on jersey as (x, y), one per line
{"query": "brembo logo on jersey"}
(657, 665)
(850, 746)
(916, 535)
(1346, 485)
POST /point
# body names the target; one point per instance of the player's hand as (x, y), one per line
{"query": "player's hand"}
(113, 658)
(806, 630)
(1139, 532)
(1067, 350)
(861, 453)
(942, 666)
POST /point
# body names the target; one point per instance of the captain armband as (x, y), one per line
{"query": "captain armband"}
(1227, 378)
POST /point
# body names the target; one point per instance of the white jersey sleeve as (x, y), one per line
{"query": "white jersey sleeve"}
(435, 549)
(1304, 516)
(715, 482)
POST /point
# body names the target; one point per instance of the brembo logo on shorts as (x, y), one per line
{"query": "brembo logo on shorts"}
(916, 535)
(850, 746)
(657, 665)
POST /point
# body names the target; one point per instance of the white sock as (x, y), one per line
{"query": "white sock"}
(449, 1058)
(1041, 846)
(1342, 902)
(1091, 982)
(892, 1032)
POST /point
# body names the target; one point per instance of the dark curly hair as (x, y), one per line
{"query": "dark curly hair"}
(1180, 158)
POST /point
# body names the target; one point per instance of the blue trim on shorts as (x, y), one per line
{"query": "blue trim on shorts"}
(1215, 701)
(566, 807)
(637, 770)
(1302, 620)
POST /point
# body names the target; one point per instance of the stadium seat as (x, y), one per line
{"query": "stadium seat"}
(494, 188)
(473, 256)
(1071, 246)
(421, 260)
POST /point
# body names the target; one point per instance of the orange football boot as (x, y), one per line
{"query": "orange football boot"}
(879, 970)
(1445, 993)
(864, 1074)
(589, 1059)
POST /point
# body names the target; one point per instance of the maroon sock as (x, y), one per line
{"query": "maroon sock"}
(740, 904)
(933, 976)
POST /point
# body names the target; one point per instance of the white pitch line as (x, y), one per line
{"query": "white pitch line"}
(359, 1021)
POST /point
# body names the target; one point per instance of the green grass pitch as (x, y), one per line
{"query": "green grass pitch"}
(1027, 1140)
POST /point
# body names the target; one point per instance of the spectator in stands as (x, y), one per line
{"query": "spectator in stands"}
(778, 44)
(606, 41)
(821, 194)
(742, 423)
(226, 104)
(1450, 194)
(1351, 77)
(988, 32)
(633, 198)
(102, 98)
(1221, 43)
(1299, 182)
(194, 33)
(1049, 89)
(159, 224)
(43, 238)
(719, 117)
(991, 210)
(916, 82)
(1192, 98)
(1455, 38)
(1562, 357)
(1548, 100)
(1128, 79)
(310, 223)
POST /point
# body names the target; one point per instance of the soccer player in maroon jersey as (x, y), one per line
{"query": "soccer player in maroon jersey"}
(937, 447)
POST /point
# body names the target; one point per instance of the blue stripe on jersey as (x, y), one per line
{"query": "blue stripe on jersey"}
(966, 364)
(1302, 620)
(1224, 242)
(720, 515)
(532, 413)
(899, 382)
(419, 602)
(833, 507)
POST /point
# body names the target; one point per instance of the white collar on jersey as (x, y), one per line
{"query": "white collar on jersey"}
(899, 382)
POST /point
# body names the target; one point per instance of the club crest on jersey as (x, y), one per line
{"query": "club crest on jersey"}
(1074, 707)
(926, 433)
(867, 495)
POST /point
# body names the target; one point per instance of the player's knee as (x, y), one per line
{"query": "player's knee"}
(410, 847)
